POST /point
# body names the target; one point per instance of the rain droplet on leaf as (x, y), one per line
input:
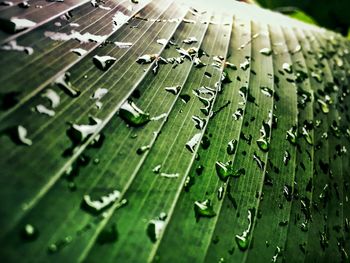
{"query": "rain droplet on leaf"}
(103, 62)
(191, 144)
(203, 209)
(266, 51)
(64, 83)
(132, 115)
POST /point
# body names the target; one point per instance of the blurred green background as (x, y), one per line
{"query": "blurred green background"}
(330, 14)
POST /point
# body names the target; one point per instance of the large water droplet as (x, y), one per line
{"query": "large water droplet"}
(78, 133)
(266, 91)
(12, 45)
(44, 110)
(225, 170)
(199, 122)
(231, 146)
(203, 209)
(143, 149)
(64, 83)
(174, 90)
(132, 115)
(14, 24)
(191, 144)
(266, 51)
(19, 135)
(243, 240)
(103, 62)
(155, 227)
(190, 40)
(263, 144)
(245, 65)
(144, 59)
(287, 68)
(52, 96)
(97, 206)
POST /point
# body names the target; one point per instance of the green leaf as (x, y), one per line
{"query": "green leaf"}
(231, 147)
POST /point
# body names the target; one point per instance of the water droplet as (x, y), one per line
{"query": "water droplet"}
(103, 62)
(266, 51)
(6, 3)
(266, 91)
(190, 40)
(82, 38)
(19, 135)
(143, 149)
(324, 240)
(238, 114)
(286, 157)
(307, 136)
(203, 209)
(191, 144)
(108, 235)
(12, 45)
(198, 63)
(162, 41)
(287, 68)
(316, 76)
(55, 247)
(277, 254)
(64, 83)
(199, 122)
(157, 168)
(78, 133)
(14, 24)
(170, 175)
(99, 93)
(97, 206)
(199, 169)
(243, 240)
(323, 105)
(174, 90)
(123, 44)
(155, 227)
(205, 143)
(119, 19)
(230, 65)
(296, 49)
(245, 65)
(292, 135)
(263, 144)
(44, 110)
(225, 78)
(225, 170)
(231, 146)
(185, 98)
(29, 232)
(221, 191)
(188, 183)
(258, 161)
(79, 51)
(288, 192)
(144, 59)
(132, 115)
(207, 74)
